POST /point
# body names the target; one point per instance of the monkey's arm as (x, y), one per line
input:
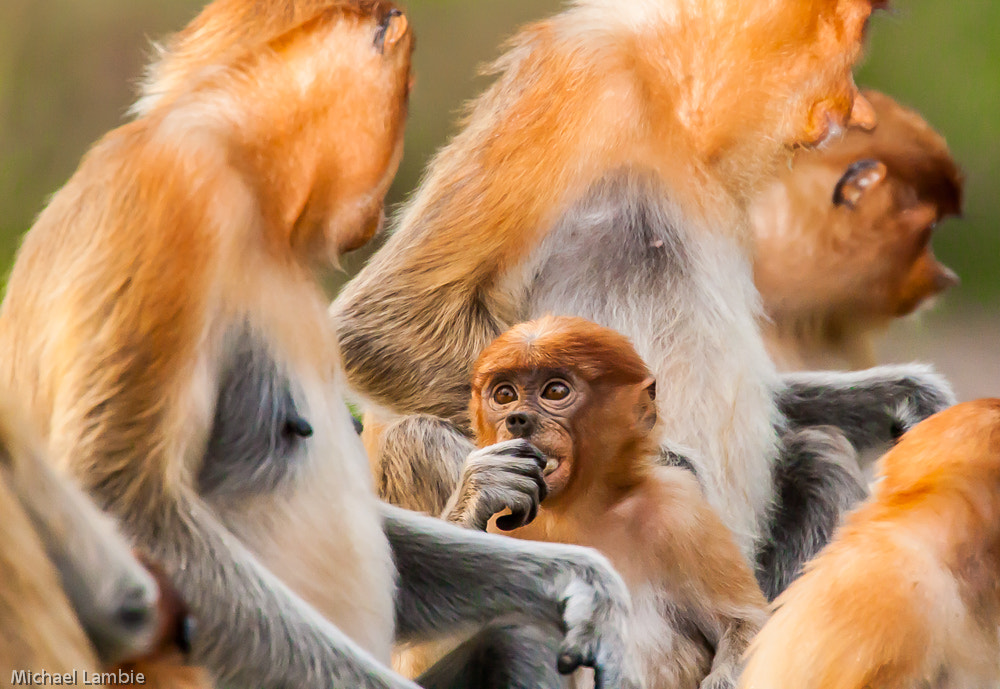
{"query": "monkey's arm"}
(418, 462)
(872, 408)
(817, 480)
(451, 577)
(412, 323)
(253, 631)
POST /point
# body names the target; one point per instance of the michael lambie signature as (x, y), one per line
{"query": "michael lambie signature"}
(76, 678)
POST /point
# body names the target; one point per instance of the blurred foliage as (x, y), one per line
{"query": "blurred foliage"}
(68, 67)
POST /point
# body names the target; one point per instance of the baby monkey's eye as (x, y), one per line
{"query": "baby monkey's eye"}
(555, 391)
(504, 394)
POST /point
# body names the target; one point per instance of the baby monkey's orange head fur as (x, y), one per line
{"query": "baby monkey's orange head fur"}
(314, 93)
(577, 391)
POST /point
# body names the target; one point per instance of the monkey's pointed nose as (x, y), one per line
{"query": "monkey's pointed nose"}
(520, 425)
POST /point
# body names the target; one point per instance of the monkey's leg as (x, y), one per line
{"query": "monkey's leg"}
(817, 479)
(418, 462)
(507, 654)
(253, 631)
(872, 408)
(451, 577)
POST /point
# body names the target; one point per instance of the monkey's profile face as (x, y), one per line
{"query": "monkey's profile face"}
(538, 406)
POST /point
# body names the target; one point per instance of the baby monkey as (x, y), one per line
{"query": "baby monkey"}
(581, 394)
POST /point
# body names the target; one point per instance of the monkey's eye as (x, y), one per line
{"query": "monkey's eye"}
(556, 391)
(504, 394)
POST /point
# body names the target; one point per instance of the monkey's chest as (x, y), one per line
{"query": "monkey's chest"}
(670, 651)
(259, 432)
(287, 472)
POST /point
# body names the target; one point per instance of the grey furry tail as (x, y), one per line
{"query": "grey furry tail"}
(817, 479)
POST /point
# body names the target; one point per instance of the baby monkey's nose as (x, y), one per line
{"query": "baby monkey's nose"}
(520, 425)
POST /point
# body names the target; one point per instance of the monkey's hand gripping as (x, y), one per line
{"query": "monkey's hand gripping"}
(495, 478)
(451, 577)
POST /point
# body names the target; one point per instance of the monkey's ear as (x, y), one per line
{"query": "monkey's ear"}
(859, 176)
(391, 30)
(647, 404)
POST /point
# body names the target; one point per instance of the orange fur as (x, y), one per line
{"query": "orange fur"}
(680, 562)
(906, 595)
(40, 629)
(832, 276)
(264, 144)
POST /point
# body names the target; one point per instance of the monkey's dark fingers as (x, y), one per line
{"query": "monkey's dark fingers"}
(519, 448)
(595, 613)
(525, 450)
(523, 510)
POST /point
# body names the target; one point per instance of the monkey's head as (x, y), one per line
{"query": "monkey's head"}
(577, 391)
(848, 229)
(813, 46)
(315, 95)
(762, 78)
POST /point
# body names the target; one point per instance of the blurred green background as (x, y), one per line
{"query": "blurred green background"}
(68, 70)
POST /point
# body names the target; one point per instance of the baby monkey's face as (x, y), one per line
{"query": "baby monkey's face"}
(538, 406)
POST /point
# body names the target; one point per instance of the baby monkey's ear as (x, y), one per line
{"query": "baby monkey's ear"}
(391, 30)
(647, 404)
(858, 178)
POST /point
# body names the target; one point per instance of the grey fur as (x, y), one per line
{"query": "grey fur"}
(420, 459)
(257, 428)
(512, 653)
(451, 577)
(202, 558)
(817, 481)
(112, 594)
(625, 256)
(872, 408)
(504, 475)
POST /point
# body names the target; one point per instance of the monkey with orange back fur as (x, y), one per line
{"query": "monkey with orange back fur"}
(906, 595)
(581, 394)
(843, 239)
(166, 329)
(606, 173)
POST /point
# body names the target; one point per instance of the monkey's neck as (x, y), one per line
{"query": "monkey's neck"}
(821, 340)
(609, 477)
